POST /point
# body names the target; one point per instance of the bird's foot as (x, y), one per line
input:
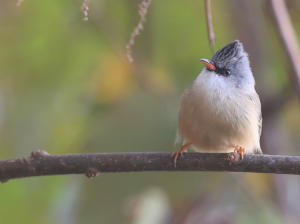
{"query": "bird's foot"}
(241, 151)
(183, 149)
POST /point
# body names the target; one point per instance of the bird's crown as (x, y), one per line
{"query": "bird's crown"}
(231, 51)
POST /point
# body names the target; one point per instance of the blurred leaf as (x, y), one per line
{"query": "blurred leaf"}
(113, 80)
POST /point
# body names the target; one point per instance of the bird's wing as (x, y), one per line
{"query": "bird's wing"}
(260, 124)
(255, 99)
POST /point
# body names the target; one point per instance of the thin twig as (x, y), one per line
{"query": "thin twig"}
(289, 39)
(210, 29)
(85, 9)
(19, 2)
(143, 8)
(42, 164)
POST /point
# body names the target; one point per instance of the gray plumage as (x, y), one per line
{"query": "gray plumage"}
(221, 109)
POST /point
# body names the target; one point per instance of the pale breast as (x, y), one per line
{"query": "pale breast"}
(218, 122)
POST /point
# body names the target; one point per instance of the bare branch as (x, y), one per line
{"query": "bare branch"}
(289, 39)
(42, 164)
(210, 29)
(143, 8)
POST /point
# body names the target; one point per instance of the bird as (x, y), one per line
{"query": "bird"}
(220, 112)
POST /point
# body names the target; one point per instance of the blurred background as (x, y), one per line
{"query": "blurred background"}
(66, 86)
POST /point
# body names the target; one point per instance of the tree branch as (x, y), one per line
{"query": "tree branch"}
(289, 39)
(42, 164)
(211, 35)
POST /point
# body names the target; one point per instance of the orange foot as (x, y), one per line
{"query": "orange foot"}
(241, 151)
(183, 149)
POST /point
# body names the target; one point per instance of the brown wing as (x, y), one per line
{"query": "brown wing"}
(256, 100)
(260, 124)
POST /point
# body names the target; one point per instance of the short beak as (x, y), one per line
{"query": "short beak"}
(208, 63)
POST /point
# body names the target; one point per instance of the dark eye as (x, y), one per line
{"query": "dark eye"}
(227, 73)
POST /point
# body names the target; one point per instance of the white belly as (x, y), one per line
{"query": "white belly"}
(217, 122)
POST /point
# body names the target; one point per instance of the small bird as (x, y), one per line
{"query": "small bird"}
(221, 111)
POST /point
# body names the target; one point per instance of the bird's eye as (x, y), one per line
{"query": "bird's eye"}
(227, 73)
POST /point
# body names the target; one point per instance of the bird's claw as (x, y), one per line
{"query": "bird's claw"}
(241, 151)
(181, 151)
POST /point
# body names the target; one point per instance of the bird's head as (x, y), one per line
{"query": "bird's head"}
(232, 63)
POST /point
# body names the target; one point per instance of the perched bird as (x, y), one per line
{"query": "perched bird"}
(221, 111)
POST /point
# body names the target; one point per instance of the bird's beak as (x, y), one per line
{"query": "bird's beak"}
(208, 63)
